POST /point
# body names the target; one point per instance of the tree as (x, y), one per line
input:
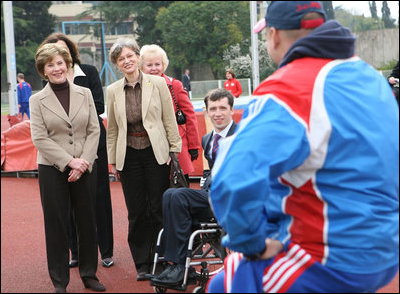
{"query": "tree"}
(357, 23)
(143, 12)
(387, 20)
(328, 8)
(32, 24)
(199, 32)
(372, 9)
(241, 62)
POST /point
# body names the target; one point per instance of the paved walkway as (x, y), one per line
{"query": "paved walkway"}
(23, 255)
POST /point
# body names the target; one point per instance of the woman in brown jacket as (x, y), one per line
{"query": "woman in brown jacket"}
(141, 133)
(65, 131)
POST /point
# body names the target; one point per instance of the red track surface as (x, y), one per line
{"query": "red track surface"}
(23, 253)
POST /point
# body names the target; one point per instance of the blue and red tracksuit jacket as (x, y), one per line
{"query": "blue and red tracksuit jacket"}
(24, 91)
(315, 161)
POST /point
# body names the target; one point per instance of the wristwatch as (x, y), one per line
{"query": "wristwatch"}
(256, 256)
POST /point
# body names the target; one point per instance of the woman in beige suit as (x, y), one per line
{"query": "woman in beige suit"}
(65, 131)
(141, 133)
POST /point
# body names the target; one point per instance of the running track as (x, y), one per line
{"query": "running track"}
(23, 255)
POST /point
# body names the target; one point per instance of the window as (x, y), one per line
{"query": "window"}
(123, 28)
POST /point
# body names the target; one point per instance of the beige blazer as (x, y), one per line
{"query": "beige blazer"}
(59, 137)
(157, 115)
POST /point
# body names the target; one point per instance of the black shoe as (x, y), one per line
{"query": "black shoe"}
(143, 276)
(160, 275)
(60, 290)
(73, 263)
(94, 285)
(173, 277)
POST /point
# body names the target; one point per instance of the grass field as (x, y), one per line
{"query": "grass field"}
(4, 109)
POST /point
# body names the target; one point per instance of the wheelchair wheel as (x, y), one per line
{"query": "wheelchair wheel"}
(159, 289)
(214, 264)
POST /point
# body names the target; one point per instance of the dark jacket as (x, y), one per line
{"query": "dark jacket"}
(206, 144)
(186, 83)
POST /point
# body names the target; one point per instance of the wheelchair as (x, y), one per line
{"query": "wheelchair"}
(207, 258)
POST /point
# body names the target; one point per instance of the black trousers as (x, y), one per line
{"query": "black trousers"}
(102, 204)
(143, 181)
(182, 209)
(57, 196)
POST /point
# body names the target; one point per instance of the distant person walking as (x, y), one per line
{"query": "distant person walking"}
(24, 91)
(232, 84)
(186, 82)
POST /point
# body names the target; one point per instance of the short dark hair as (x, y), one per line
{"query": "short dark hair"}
(73, 48)
(218, 94)
(20, 75)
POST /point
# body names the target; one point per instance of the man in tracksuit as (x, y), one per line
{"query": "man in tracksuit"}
(24, 91)
(307, 188)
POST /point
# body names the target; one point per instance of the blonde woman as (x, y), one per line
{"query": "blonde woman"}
(142, 131)
(65, 131)
(154, 61)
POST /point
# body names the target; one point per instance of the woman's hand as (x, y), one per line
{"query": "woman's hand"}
(79, 164)
(194, 153)
(74, 175)
(169, 158)
(115, 172)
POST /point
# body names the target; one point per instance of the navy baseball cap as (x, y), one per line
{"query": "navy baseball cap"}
(287, 15)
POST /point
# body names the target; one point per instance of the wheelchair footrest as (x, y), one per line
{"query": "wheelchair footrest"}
(178, 286)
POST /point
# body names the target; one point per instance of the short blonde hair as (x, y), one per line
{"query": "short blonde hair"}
(47, 52)
(117, 47)
(152, 51)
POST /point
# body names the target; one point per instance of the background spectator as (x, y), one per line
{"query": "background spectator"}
(24, 91)
(232, 84)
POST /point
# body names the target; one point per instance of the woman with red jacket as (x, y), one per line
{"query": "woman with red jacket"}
(232, 84)
(154, 61)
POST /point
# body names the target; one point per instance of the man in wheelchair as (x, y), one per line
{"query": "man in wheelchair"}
(184, 207)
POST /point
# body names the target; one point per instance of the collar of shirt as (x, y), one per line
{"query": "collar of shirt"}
(78, 72)
(133, 85)
(224, 132)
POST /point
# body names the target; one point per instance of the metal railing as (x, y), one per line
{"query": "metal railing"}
(200, 88)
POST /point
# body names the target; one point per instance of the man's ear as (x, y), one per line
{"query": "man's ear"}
(275, 37)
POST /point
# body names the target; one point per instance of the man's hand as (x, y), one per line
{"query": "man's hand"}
(194, 153)
(392, 81)
(273, 248)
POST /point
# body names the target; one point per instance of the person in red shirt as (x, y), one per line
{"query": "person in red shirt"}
(232, 84)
